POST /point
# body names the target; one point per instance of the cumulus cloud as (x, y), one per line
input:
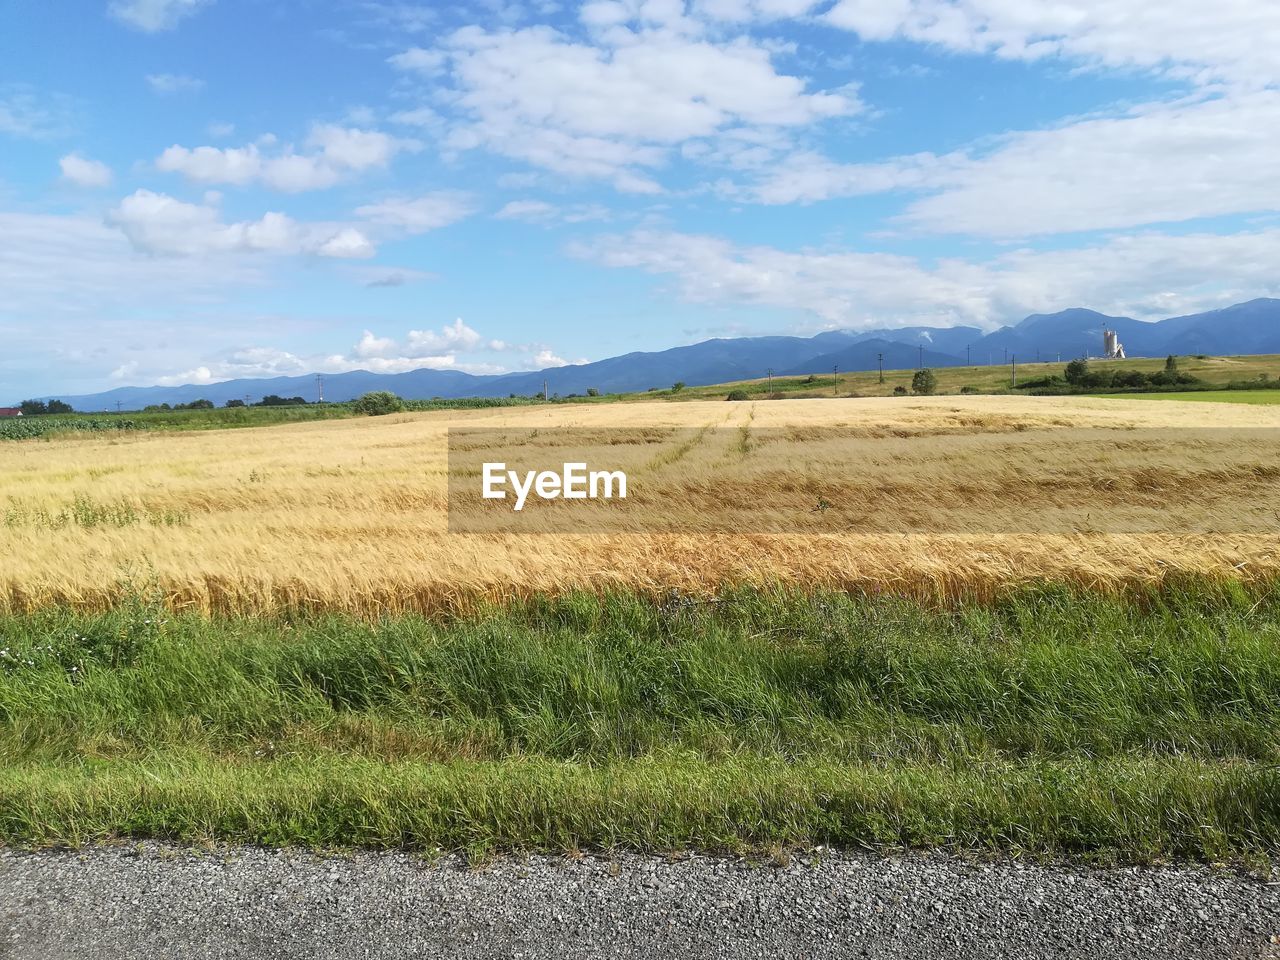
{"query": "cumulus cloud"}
(454, 346)
(613, 108)
(156, 223)
(152, 16)
(1146, 275)
(330, 153)
(83, 172)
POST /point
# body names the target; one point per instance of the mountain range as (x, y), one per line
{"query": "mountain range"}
(1252, 327)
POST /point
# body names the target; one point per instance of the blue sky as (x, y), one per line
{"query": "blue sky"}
(198, 190)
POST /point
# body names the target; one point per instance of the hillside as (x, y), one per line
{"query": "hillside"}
(1246, 328)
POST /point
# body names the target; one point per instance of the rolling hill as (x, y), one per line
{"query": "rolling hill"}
(1246, 328)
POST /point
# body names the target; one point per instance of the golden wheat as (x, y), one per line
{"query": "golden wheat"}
(350, 515)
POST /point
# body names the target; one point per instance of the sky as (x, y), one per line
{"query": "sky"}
(201, 190)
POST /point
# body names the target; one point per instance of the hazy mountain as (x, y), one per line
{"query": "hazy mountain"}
(865, 356)
(1252, 327)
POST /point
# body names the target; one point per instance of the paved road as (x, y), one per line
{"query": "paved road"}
(159, 902)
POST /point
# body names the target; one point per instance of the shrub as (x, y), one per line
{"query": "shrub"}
(737, 395)
(677, 386)
(592, 392)
(1076, 372)
(968, 389)
(924, 383)
(234, 403)
(377, 403)
(1130, 378)
(899, 391)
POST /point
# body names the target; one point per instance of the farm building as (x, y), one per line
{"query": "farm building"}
(10, 411)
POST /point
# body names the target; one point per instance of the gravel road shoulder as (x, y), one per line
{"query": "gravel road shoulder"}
(158, 902)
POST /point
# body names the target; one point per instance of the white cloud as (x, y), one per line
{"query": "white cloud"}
(152, 16)
(541, 212)
(453, 347)
(429, 63)
(613, 109)
(75, 265)
(33, 115)
(1234, 40)
(83, 172)
(546, 358)
(416, 215)
(333, 153)
(454, 336)
(171, 83)
(1157, 163)
(1147, 275)
(156, 223)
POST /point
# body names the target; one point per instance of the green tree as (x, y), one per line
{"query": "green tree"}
(1076, 372)
(235, 403)
(924, 383)
(592, 392)
(737, 395)
(33, 408)
(59, 406)
(1171, 364)
(677, 386)
(378, 403)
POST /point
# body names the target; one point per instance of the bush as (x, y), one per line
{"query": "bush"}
(377, 403)
(234, 403)
(924, 383)
(737, 395)
(968, 390)
(1076, 372)
(899, 391)
(1130, 378)
(592, 392)
(677, 386)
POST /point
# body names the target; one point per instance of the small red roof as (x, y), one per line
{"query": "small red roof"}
(10, 411)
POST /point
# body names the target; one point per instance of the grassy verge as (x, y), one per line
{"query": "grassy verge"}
(1264, 397)
(1048, 722)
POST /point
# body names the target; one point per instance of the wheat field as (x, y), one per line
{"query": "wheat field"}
(350, 516)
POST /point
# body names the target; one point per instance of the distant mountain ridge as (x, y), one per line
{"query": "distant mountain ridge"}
(1252, 327)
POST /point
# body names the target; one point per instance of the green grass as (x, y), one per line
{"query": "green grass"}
(1207, 396)
(987, 378)
(1050, 722)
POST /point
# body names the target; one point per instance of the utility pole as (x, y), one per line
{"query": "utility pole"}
(921, 366)
(1006, 354)
(319, 388)
(1015, 370)
(880, 360)
(247, 398)
(967, 358)
(835, 384)
(769, 374)
(545, 395)
(118, 406)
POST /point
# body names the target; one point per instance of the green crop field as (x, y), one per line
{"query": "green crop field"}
(1209, 396)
